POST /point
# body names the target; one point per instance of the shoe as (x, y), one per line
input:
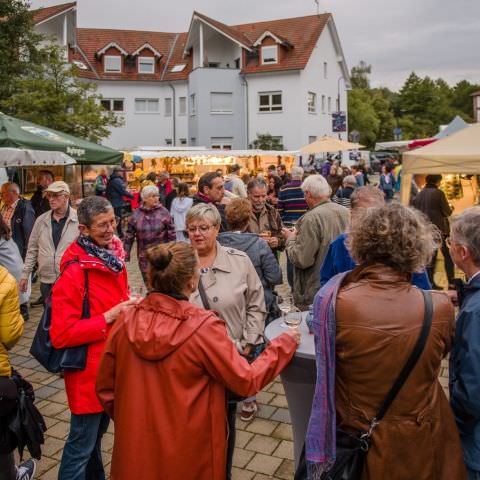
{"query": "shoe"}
(37, 303)
(249, 409)
(26, 470)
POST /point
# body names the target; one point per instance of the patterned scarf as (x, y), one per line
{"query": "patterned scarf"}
(110, 261)
(320, 443)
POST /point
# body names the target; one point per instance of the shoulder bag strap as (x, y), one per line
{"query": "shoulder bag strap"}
(412, 360)
(203, 295)
(86, 300)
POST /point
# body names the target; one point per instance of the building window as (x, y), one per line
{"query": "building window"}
(213, 64)
(168, 107)
(182, 106)
(183, 141)
(312, 138)
(325, 70)
(312, 102)
(193, 141)
(112, 104)
(112, 63)
(323, 103)
(147, 105)
(329, 104)
(193, 107)
(269, 54)
(221, 102)
(221, 143)
(146, 65)
(168, 141)
(270, 102)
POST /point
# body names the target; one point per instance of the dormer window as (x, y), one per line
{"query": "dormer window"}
(112, 63)
(269, 54)
(146, 65)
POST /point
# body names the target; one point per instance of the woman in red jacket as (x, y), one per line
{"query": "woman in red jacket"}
(88, 258)
(164, 374)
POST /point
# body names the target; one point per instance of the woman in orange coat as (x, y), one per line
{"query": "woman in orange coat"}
(164, 374)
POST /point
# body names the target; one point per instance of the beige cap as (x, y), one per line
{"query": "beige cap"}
(58, 187)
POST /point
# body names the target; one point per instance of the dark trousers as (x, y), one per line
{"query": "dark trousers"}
(473, 474)
(449, 267)
(231, 418)
(45, 289)
(82, 457)
(290, 270)
(118, 213)
(8, 471)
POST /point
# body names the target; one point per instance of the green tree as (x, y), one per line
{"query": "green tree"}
(462, 99)
(360, 75)
(19, 44)
(362, 116)
(54, 96)
(381, 102)
(265, 141)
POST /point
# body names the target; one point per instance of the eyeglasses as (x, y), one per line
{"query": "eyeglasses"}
(104, 226)
(55, 195)
(202, 229)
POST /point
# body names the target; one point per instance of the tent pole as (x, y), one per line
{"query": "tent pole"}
(81, 179)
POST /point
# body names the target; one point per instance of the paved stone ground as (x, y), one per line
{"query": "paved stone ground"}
(264, 445)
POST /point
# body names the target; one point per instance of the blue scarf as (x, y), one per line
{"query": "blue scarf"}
(320, 443)
(109, 260)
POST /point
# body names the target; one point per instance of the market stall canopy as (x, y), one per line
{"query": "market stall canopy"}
(457, 153)
(199, 153)
(328, 144)
(399, 145)
(15, 133)
(19, 157)
(457, 124)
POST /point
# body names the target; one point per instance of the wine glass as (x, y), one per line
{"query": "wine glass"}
(137, 292)
(293, 319)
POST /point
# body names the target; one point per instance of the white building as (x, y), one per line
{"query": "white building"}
(216, 85)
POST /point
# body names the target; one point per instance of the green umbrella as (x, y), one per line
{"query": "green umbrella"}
(17, 133)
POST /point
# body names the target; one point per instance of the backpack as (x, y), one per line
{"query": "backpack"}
(54, 359)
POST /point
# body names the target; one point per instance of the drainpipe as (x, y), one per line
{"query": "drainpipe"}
(246, 108)
(174, 122)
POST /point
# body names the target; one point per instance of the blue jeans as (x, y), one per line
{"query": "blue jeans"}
(82, 457)
(473, 474)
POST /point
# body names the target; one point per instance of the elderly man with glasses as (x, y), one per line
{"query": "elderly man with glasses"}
(52, 233)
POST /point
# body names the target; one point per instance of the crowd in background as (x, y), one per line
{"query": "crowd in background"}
(211, 262)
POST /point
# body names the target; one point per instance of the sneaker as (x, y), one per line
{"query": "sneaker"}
(249, 409)
(26, 470)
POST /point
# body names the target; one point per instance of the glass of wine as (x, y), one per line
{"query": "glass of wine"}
(293, 319)
(137, 292)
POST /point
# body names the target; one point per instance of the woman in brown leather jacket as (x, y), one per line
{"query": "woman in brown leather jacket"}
(379, 315)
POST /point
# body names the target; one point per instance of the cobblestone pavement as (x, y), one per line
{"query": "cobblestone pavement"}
(264, 445)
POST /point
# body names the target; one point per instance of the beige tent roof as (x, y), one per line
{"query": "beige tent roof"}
(458, 153)
(328, 144)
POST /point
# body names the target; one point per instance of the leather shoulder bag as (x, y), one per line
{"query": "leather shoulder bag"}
(352, 448)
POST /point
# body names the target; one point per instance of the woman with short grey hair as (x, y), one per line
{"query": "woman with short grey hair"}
(229, 284)
(150, 225)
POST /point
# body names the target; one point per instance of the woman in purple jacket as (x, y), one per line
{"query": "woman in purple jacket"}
(150, 224)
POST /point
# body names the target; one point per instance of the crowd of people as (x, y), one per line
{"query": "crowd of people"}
(172, 368)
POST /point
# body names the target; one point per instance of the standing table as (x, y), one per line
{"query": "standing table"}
(298, 380)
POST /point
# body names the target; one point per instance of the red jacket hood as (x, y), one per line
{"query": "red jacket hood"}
(76, 252)
(160, 324)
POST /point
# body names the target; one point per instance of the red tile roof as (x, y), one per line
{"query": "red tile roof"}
(45, 13)
(301, 33)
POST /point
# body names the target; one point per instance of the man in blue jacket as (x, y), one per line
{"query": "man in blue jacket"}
(338, 258)
(115, 192)
(464, 244)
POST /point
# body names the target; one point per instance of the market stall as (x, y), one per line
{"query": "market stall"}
(23, 135)
(189, 164)
(457, 158)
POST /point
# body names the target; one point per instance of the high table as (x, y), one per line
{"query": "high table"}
(298, 381)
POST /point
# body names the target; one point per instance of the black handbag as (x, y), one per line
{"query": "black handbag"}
(8, 396)
(54, 359)
(352, 448)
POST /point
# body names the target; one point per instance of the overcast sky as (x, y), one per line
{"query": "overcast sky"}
(440, 38)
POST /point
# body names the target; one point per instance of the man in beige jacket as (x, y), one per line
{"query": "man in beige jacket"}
(307, 245)
(52, 233)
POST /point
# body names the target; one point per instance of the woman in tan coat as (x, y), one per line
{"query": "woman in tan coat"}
(164, 373)
(379, 315)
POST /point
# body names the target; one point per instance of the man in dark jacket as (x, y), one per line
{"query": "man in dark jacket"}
(464, 244)
(211, 189)
(433, 203)
(39, 201)
(115, 192)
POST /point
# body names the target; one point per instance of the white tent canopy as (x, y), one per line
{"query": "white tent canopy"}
(457, 124)
(455, 154)
(19, 157)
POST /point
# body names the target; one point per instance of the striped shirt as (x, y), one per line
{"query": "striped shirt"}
(291, 201)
